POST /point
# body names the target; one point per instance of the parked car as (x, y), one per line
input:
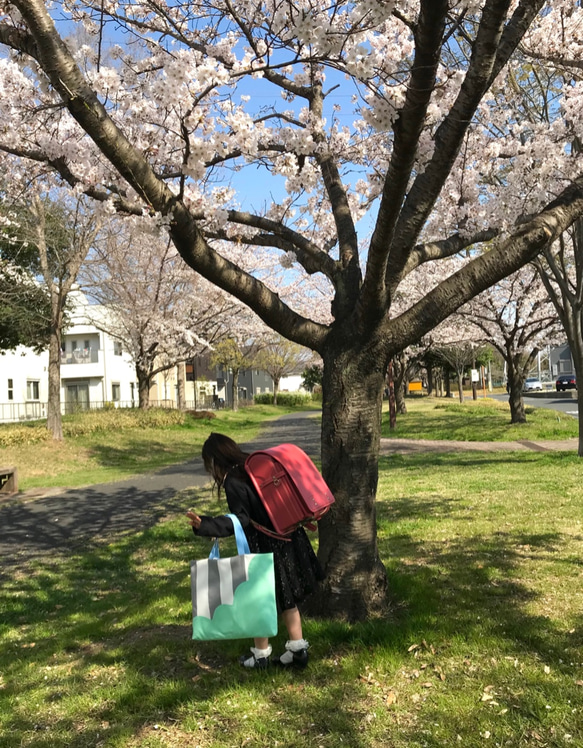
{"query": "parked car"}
(566, 382)
(532, 384)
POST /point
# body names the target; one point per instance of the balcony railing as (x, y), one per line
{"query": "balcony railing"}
(80, 356)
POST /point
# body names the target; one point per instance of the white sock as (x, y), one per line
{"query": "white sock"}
(262, 652)
(296, 645)
(256, 654)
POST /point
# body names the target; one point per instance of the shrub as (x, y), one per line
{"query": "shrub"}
(20, 433)
(92, 422)
(289, 399)
(201, 414)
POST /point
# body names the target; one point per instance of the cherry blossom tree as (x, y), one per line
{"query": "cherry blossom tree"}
(429, 136)
(561, 270)
(151, 302)
(518, 319)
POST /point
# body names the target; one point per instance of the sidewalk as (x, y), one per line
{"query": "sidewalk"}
(414, 446)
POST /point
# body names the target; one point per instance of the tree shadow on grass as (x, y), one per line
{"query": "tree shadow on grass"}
(107, 621)
(110, 626)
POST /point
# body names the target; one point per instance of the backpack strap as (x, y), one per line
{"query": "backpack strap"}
(311, 526)
(270, 533)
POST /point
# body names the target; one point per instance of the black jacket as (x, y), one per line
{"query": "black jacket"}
(242, 500)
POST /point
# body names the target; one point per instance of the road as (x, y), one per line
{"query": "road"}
(554, 401)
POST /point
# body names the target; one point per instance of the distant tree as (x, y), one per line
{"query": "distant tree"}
(233, 357)
(561, 271)
(518, 319)
(161, 312)
(280, 358)
(312, 377)
(24, 310)
(49, 234)
(460, 356)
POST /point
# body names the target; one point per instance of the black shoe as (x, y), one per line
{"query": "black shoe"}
(254, 663)
(297, 659)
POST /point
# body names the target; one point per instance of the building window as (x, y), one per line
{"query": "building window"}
(32, 389)
(11, 389)
(115, 392)
(116, 348)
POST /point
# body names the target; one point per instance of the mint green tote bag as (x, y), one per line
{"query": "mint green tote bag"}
(233, 598)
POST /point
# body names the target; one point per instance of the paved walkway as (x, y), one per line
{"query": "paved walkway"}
(40, 522)
(411, 446)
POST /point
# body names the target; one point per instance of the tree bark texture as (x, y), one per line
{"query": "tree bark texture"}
(352, 388)
(143, 388)
(180, 385)
(54, 417)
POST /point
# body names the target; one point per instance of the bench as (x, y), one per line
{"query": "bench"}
(8, 481)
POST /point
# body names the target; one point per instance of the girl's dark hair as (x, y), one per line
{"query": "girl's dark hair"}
(222, 455)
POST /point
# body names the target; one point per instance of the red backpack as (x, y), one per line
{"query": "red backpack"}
(290, 487)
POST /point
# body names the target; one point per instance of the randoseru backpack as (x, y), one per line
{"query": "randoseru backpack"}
(290, 487)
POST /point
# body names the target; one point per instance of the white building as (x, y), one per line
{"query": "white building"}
(94, 371)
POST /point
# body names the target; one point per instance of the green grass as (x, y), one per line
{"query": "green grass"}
(483, 646)
(480, 420)
(113, 445)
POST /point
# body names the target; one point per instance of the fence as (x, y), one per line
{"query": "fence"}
(35, 411)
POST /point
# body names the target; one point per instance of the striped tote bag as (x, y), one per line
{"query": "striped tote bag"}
(233, 598)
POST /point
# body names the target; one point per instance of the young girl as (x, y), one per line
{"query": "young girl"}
(297, 570)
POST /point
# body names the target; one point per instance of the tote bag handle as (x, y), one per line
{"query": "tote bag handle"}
(240, 538)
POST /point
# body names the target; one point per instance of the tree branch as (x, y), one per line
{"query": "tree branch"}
(84, 106)
(489, 268)
(490, 52)
(408, 127)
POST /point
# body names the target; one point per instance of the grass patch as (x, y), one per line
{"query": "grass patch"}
(477, 420)
(483, 553)
(112, 445)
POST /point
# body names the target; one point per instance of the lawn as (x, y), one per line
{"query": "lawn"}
(112, 445)
(484, 419)
(483, 644)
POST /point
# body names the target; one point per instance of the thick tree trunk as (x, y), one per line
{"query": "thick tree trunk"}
(143, 378)
(275, 390)
(576, 346)
(54, 417)
(180, 386)
(356, 584)
(515, 383)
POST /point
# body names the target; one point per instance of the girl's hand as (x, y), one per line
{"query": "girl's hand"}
(194, 519)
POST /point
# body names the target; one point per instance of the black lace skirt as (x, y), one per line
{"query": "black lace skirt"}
(297, 570)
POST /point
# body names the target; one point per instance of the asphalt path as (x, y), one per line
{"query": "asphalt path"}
(34, 525)
(560, 401)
